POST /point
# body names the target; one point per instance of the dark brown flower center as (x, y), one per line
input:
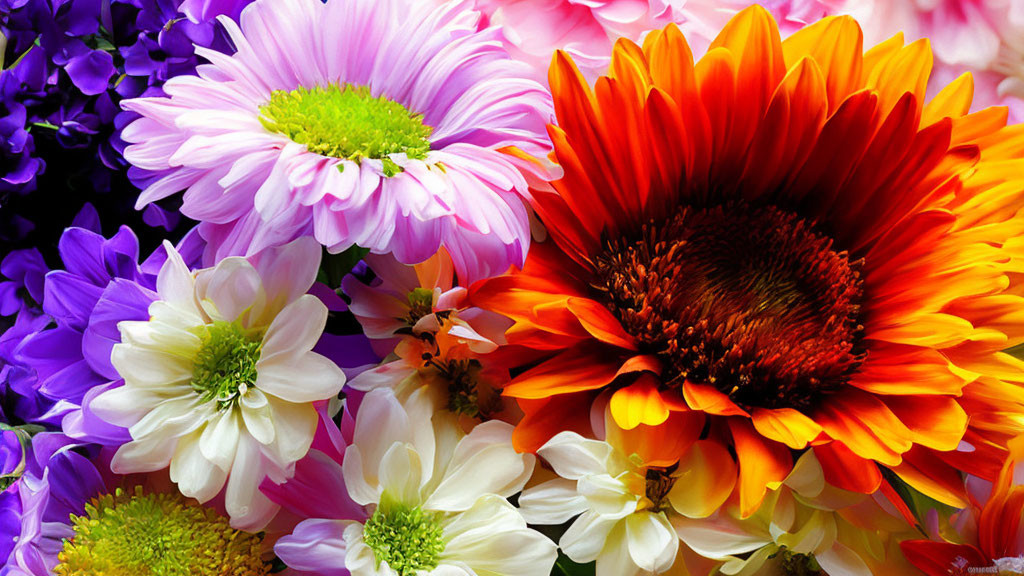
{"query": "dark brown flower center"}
(751, 300)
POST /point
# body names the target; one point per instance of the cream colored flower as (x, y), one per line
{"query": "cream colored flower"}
(220, 381)
(435, 498)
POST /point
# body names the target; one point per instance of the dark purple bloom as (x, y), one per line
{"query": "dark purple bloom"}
(24, 270)
(69, 63)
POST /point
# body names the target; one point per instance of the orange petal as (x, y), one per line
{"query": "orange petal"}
(937, 422)
(865, 425)
(952, 101)
(836, 44)
(788, 131)
(584, 367)
(893, 369)
(544, 418)
(641, 363)
(932, 477)
(638, 403)
(704, 480)
(629, 67)
(785, 425)
(844, 469)
(707, 398)
(753, 38)
(763, 464)
(660, 445)
(904, 70)
(600, 323)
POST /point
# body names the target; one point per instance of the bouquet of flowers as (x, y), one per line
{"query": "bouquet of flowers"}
(511, 287)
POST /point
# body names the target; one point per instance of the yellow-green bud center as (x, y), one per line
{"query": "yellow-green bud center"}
(137, 534)
(225, 366)
(407, 538)
(347, 122)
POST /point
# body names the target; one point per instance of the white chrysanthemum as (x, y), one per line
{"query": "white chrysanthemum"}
(435, 497)
(220, 382)
(620, 525)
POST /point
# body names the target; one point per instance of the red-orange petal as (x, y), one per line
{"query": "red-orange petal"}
(587, 366)
(844, 469)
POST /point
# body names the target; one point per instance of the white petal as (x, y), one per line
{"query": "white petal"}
(229, 290)
(652, 541)
(195, 476)
(380, 422)
(362, 490)
(148, 455)
(841, 560)
(720, 535)
(141, 366)
(608, 496)
(256, 414)
(359, 559)
(573, 456)
(295, 425)
(308, 378)
(296, 329)
(220, 439)
(484, 462)
(248, 508)
(492, 538)
(614, 559)
(174, 282)
(585, 538)
(124, 405)
(172, 418)
(288, 271)
(401, 473)
(552, 502)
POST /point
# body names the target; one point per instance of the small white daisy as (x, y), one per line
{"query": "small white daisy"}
(220, 381)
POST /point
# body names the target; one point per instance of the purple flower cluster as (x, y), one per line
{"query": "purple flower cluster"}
(67, 64)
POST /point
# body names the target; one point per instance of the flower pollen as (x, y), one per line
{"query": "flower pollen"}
(137, 534)
(407, 538)
(421, 303)
(225, 366)
(753, 301)
(347, 122)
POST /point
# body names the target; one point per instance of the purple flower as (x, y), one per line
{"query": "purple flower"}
(60, 484)
(71, 62)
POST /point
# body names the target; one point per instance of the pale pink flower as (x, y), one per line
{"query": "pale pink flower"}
(395, 125)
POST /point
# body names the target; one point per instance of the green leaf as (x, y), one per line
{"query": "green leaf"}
(334, 267)
(566, 567)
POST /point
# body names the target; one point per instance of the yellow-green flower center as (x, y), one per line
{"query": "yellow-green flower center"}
(421, 303)
(796, 564)
(407, 538)
(139, 534)
(225, 366)
(347, 122)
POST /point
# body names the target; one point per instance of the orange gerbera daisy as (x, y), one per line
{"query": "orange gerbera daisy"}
(786, 244)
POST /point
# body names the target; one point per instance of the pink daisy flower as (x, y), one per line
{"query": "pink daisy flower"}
(396, 125)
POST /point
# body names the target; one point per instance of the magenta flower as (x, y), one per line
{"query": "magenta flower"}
(395, 125)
